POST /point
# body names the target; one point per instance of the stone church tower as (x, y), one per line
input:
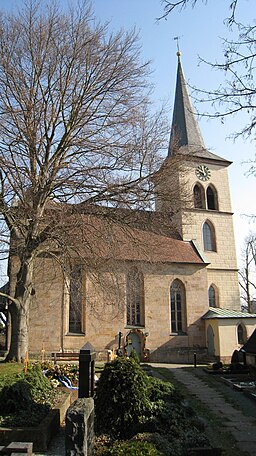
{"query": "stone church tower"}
(205, 213)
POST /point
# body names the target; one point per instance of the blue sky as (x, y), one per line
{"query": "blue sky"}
(200, 29)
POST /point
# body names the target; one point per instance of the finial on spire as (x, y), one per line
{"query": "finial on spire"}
(176, 38)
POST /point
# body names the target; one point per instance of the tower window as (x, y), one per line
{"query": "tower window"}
(209, 237)
(135, 299)
(212, 296)
(211, 197)
(76, 299)
(178, 310)
(198, 197)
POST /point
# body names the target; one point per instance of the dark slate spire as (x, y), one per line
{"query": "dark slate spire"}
(185, 130)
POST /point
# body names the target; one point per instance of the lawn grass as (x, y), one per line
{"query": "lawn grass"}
(10, 368)
(216, 433)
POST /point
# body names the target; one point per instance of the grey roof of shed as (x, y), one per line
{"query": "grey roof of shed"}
(217, 312)
(185, 131)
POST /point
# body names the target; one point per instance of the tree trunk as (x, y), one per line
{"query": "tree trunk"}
(247, 286)
(19, 310)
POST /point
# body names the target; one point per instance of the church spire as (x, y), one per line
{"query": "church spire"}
(185, 129)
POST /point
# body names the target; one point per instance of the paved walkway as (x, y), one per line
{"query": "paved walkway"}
(242, 428)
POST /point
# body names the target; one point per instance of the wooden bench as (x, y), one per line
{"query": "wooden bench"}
(65, 356)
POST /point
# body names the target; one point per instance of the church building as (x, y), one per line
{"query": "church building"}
(166, 283)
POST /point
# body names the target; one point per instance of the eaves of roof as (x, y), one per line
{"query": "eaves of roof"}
(218, 313)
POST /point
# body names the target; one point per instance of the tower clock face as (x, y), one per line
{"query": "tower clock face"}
(203, 173)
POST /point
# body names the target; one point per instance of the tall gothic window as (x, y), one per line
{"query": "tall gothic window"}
(135, 299)
(198, 196)
(212, 297)
(211, 197)
(209, 237)
(178, 307)
(76, 299)
(241, 334)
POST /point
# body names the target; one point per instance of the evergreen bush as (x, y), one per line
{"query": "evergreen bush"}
(15, 396)
(134, 356)
(132, 448)
(160, 390)
(121, 400)
(25, 399)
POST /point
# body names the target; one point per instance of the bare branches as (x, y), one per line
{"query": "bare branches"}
(169, 7)
(237, 94)
(73, 96)
(247, 273)
(179, 5)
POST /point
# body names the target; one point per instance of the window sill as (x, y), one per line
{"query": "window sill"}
(180, 333)
(134, 327)
(75, 334)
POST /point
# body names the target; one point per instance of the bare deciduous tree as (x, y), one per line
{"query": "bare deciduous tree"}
(247, 274)
(75, 125)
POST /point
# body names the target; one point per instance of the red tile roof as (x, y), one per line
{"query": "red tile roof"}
(103, 238)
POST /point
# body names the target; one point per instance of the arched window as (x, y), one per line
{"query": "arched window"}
(135, 299)
(241, 334)
(211, 197)
(75, 300)
(209, 237)
(178, 307)
(199, 201)
(212, 296)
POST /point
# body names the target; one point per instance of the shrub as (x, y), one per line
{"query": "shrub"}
(158, 389)
(25, 399)
(134, 356)
(121, 400)
(14, 397)
(132, 448)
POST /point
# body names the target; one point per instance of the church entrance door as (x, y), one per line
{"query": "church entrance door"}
(210, 341)
(135, 341)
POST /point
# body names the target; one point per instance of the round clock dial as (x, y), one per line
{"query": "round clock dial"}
(203, 172)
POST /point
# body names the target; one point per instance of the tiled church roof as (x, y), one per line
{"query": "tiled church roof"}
(101, 238)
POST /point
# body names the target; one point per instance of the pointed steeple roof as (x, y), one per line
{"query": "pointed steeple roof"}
(185, 131)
